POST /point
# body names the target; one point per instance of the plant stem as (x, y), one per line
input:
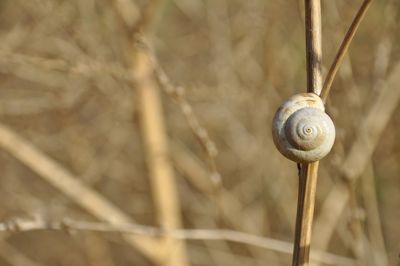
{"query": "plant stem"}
(343, 49)
(305, 213)
(161, 173)
(313, 45)
(308, 173)
(170, 251)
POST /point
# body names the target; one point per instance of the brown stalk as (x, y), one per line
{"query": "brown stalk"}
(157, 154)
(313, 45)
(155, 139)
(343, 49)
(309, 172)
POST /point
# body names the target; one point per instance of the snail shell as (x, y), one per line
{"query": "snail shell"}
(301, 129)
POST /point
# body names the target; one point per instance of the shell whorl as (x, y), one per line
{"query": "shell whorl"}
(301, 129)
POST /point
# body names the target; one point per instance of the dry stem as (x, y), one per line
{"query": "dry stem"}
(157, 154)
(178, 95)
(155, 139)
(343, 48)
(308, 173)
(313, 45)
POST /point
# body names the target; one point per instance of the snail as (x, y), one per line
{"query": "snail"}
(301, 129)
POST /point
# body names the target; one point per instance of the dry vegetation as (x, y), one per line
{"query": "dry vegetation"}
(74, 142)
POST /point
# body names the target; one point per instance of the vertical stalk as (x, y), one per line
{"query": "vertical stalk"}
(313, 45)
(171, 251)
(161, 173)
(309, 172)
(305, 213)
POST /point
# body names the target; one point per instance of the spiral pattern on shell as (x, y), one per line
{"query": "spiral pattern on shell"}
(301, 129)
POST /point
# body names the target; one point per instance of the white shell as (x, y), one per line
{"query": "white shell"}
(301, 129)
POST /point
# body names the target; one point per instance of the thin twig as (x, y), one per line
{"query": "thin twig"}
(68, 225)
(155, 139)
(178, 94)
(309, 172)
(161, 172)
(343, 49)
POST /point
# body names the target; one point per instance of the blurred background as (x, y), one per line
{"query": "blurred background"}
(72, 86)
